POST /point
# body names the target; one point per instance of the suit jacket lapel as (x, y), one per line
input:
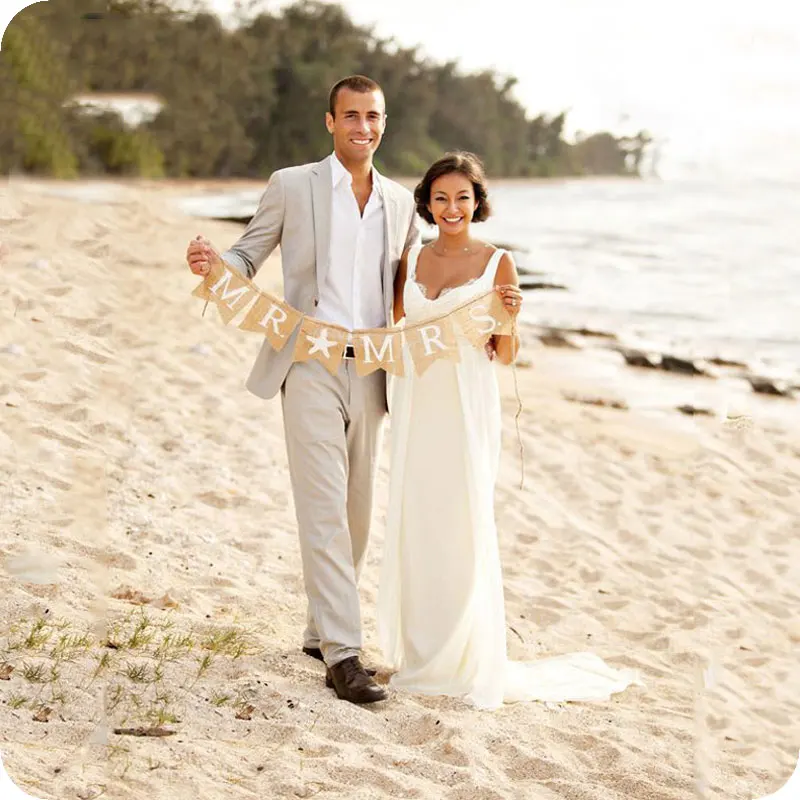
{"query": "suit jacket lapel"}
(389, 227)
(321, 190)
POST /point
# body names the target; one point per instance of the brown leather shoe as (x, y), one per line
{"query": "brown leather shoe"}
(315, 652)
(351, 682)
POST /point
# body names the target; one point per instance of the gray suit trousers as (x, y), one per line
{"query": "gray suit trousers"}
(333, 426)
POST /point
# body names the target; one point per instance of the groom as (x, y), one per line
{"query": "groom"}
(342, 228)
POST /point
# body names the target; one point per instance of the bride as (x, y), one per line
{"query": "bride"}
(441, 615)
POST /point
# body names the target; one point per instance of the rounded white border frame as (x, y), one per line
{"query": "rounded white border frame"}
(790, 790)
(8, 789)
(8, 10)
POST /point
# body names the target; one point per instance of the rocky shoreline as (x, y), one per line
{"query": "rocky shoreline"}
(649, 359)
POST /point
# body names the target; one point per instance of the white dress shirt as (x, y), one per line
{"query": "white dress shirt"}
(352, 294)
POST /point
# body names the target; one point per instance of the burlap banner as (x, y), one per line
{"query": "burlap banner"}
(432, 341)
(228, 290)
(273, 318)
(319, 341)
(381, 348)
(484, 318)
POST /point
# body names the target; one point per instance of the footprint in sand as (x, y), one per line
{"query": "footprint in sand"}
(91, 355)
(47, 433)
(451, 754)
(34, 567)
(33, 377)
(423, 731)
(519, 765)
(774, 488)
(373, 780)
(543, 617)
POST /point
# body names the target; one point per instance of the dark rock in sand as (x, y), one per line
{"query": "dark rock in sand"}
(640, 358)
(773, 386)
(552, 337)
(724, 362)
(694, 411)
(685, 366)
(668, 363)
(595, 400)
(589, 333)
(523, 270)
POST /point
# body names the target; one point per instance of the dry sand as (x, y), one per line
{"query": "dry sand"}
(134, 463)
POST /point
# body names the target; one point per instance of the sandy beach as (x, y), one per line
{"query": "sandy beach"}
(151, 582)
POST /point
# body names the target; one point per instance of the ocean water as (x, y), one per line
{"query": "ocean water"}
(693, 267)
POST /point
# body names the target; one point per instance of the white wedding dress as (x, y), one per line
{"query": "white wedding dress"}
(441, 615)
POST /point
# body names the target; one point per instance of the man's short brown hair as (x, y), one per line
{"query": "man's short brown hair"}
(355, 83)
(466, 164)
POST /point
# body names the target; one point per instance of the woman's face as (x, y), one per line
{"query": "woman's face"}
(452, 202)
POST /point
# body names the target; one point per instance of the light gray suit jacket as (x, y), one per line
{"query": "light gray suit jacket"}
(295, 213)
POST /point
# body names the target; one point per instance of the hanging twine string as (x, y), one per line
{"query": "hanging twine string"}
(520, 408)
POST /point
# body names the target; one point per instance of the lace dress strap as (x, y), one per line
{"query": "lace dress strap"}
(491, 268)
(411, 267)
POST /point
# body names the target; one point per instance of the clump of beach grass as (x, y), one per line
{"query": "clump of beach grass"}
(144, 670)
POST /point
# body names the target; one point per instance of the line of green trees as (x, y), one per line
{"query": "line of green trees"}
(245, 101)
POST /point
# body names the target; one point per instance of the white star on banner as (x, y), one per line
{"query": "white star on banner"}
(320, 344)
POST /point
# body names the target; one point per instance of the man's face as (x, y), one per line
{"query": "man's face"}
(358, 124)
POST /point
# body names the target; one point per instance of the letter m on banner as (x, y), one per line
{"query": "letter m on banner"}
(378, 349)
(228, 290)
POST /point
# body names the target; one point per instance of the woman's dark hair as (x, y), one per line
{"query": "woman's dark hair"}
(466, 164)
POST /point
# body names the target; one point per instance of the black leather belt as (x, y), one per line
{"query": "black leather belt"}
(349, 351)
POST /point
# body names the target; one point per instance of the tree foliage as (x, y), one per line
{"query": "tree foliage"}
(248, 100)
